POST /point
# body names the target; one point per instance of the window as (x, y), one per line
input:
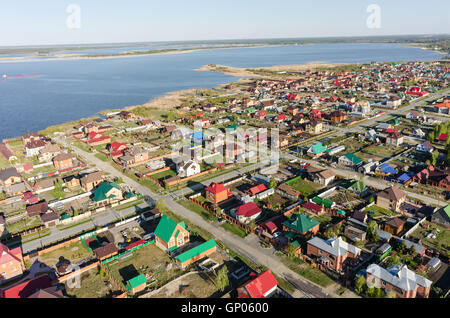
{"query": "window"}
(180, 241)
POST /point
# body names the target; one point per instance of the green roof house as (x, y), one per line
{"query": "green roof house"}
(169, 235)
(442, 216)
(196, 253)
(301, 224)
(323, 202)
(349, 160)
(106, 193)
(137, 283)
(317, 150)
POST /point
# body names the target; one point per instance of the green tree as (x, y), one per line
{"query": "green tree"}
(412, 250)
(391, 294)
(401, 248)
(434, 157)
(160, 205)
(2, 195)
(75, 212)
(291, 250)
(360, 284)
(272, 183)
(393, 260)
(222, 280)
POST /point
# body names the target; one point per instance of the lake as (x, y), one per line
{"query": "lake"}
(68, 90)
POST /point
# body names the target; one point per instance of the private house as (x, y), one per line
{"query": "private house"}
(256, 189)
(394, 226)
(360, 216)
(63, 161)
(11, 262)
(127, 115)
(288, 191)
(217, 192)
(385, 169)
(187, 168)
(16, 189)
(27, 288)
(96, 139)
(91, 180)
(49, 151)
(301, 224)
(425, 147)
(337, 116)
(9, 177)
(106, 251)
(116, 149)
(137, 284)
(247, 212)
(71, 182)
(394, 139)
(194, 254)
(107, 193)
(263, 286)
(400, 279)
(7, 153)
(442, 108)
(333, 253)
(434, 177)
(316, 150)
(393, 102)
(260, 114)
(391, 198)
(170, 235)
(134, 156)
(349, 160)
(442, 216)
(324, 177)
(29, 137)
(37, 209)
(315, 126)
(50, 219)
(34, 147)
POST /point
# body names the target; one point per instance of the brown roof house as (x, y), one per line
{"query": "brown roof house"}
(9, 176)
(394, 226)
(391, 198)
(324, 177)
(106, 251)
(50, 218)
(37, 209)
(91, 180)
(49, 151)
(63, 161)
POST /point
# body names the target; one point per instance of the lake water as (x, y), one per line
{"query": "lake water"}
(68, 90)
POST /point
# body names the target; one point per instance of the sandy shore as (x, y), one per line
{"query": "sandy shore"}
(247, 72)
(61, 57)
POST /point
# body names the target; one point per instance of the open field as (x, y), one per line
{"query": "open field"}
(198, 285)
(73, 253)
(149, 260)
(93, 286)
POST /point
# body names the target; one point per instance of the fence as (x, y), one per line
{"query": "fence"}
(108, 260)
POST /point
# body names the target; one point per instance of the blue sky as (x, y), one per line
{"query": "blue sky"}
(31, 22)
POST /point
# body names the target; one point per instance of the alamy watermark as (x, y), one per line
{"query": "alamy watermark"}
(374, 19)
(73, 21)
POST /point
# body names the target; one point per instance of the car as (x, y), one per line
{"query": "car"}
(124, 234)
(148, 237)
(221, 220)
(276, 234)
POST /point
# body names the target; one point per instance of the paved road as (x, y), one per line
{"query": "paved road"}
(249, 250)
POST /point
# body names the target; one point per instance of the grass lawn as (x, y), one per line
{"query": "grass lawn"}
(4, 163)
(385, 151)
(73, 252)
(205, 214)
(304, 187)
(324, 218)
(92, 286)
(234, 229)
(307, 271)
(149, 260)
(442, 241)
(192, 286)
(102, 157)
(164, 174)
(379, 211)
(24, 224)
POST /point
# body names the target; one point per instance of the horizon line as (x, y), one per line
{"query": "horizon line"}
(218, 40)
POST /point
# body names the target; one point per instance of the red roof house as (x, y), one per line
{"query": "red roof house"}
(247, 212)
(262, 286)
(443, 137)
(27, 288)
(256, 189)
(217, 192)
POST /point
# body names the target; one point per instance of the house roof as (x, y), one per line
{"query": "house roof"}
(260, 286)
(7, 254)
(105, 250)
(216, 188)
(49, 216)
(400, 276)
(312, 206)
(198, 250)
(92, 177)
(352, 158)
(395, 222)
(101, 193)
(386, 168)
(63, 156)
(248, 210)
(166, 227)
(27, 288)
(5, 174)
(257, 189)
(136, 281)
(301, 223)
(318, 148)
(334, 246)
(392, 193)
(326, 174)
